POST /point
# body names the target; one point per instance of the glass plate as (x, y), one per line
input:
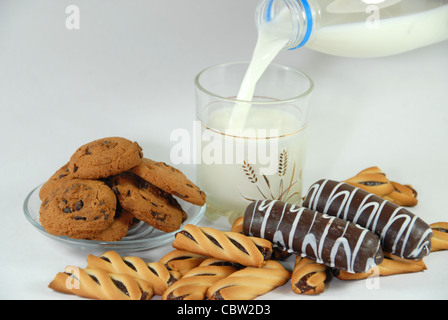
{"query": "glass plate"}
(139, 237)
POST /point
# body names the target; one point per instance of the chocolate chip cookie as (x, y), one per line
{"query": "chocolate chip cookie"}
(104, 157)
(79, 209)
(170, 180)
(123, 221)
(146, 202)
(55, 181)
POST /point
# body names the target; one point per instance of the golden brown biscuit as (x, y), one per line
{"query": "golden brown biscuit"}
(373, 180)
(391, 265)
(147, 203)
(170, 180)
(98, 284)
(118, 229)
(194, 284)
(182, 261)
(105, 157)
(56, 180)
(228, 246)
(439, 239)
(79, 209)
(249, 283)
(237, 225)
(154, 273)
(308, 276)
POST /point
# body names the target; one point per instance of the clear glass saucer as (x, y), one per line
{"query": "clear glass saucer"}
(140, 237)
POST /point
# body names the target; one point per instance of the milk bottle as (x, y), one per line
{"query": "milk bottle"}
(359, 28)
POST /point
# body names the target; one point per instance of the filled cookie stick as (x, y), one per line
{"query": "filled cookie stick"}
(308, 277)
(440, 239)
(249, 283)
(194, 284)
(228, 246)
(401, 232)
(374, 181)
(98, 284)
(154, 273)
(391, 265)
(182, 261)
(322, 238)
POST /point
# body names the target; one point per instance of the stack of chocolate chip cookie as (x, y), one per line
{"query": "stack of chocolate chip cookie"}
(107, 186)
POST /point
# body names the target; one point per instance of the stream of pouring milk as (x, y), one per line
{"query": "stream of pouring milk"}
(228, 185)
(272, 38)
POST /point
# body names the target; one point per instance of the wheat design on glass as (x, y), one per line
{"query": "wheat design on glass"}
(283, 190)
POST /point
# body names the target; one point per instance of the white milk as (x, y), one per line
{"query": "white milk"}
(231, 187)
(390, 36)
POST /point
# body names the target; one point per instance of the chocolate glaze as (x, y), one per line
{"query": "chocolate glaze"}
(327, 240)
(400, 231)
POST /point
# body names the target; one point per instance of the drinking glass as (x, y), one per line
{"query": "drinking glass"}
(251, 150)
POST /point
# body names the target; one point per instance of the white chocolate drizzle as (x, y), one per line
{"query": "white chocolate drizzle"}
(309, 239)
(374, 210)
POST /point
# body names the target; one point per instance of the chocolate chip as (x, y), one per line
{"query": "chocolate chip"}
(75, 168)
(79, 205)
(77, 218)
(158, 216)
(67, 210)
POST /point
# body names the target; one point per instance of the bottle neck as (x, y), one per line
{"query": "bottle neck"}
(301, 13)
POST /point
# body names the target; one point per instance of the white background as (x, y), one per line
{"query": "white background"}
(129, 72)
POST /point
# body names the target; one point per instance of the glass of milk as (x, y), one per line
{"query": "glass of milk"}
(251, 149)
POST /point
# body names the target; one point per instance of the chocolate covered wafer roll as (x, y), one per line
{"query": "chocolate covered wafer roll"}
(327, 240)
(401, 232)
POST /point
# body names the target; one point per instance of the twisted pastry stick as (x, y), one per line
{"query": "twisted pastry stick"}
(181, 261)
(228, 246)
(98, 284)
(249, 283)
(194, 284)
(391, 265)
(237, 226)
(308, 276)
(439, 239)
(374, 181)
(155, 272)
